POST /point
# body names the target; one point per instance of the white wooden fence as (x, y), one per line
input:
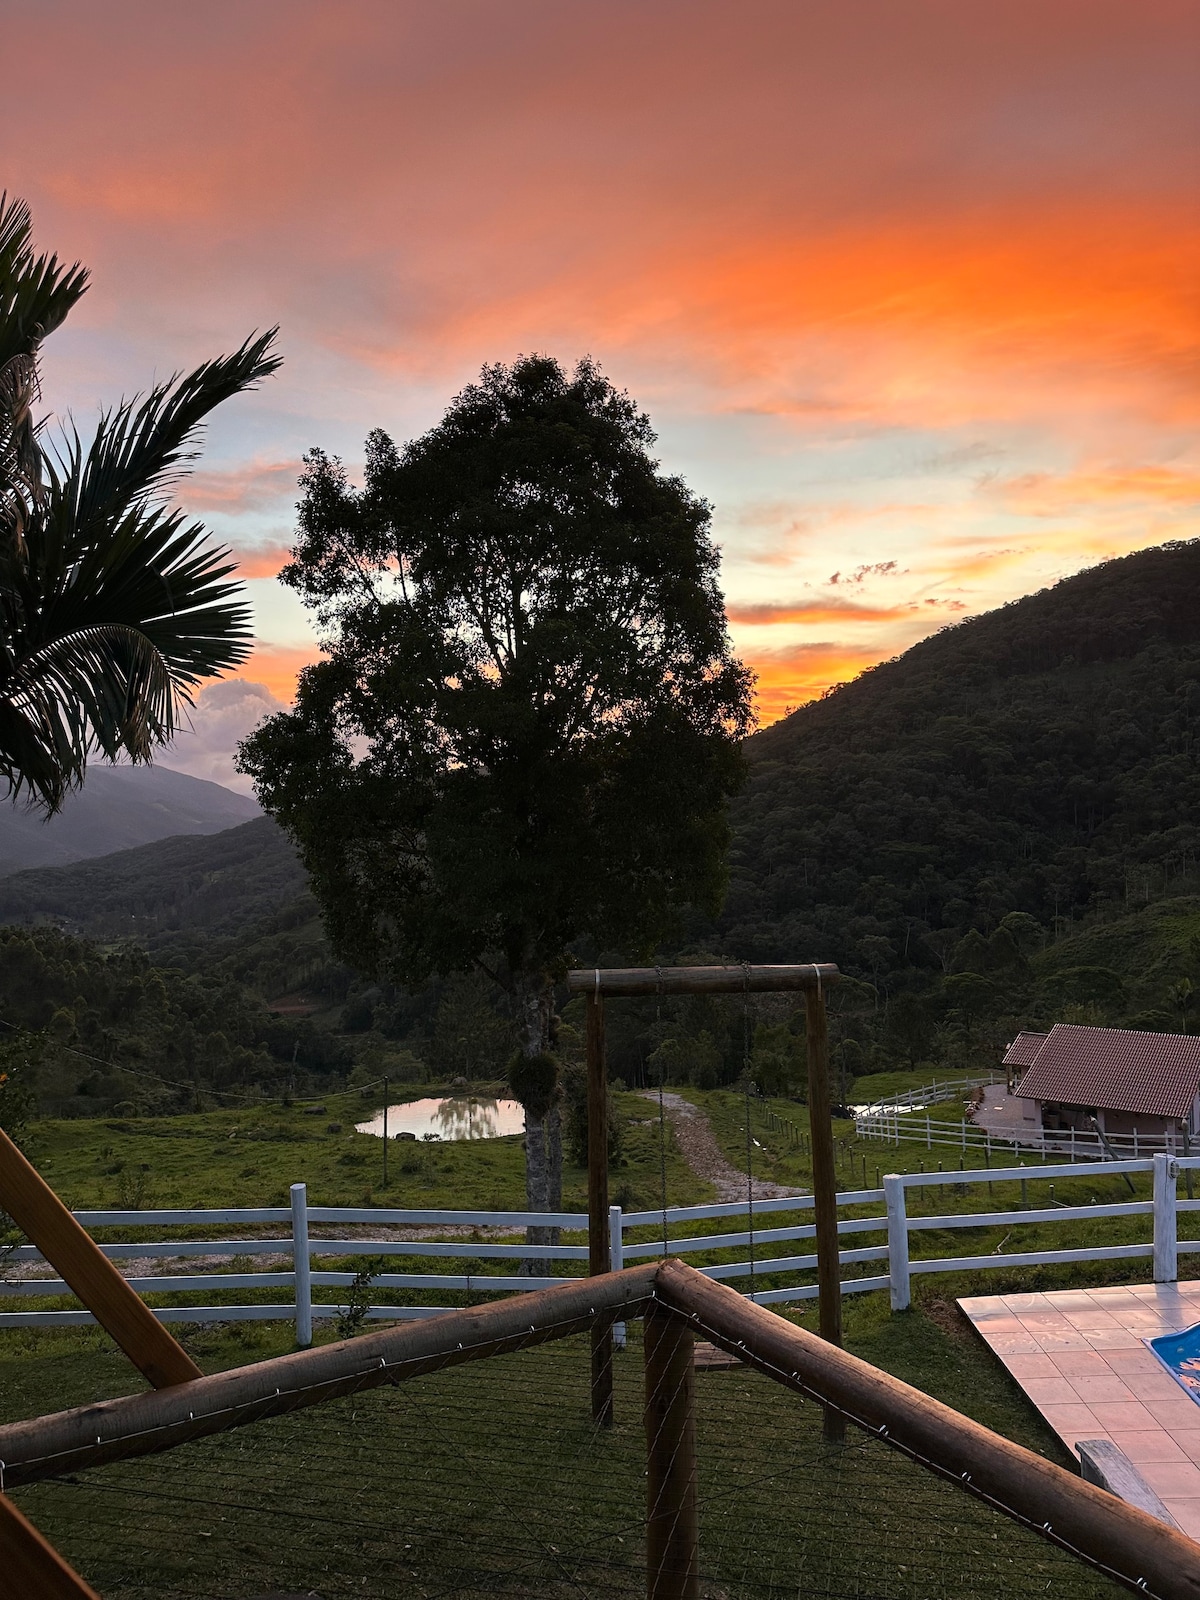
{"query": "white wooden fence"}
(887, 1219)
(893, 1126)
(930, 1094)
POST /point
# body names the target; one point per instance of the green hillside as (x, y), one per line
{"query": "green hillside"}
(219, 883)
(1040, 758)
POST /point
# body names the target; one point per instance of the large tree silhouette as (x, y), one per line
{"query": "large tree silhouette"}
(528, 718)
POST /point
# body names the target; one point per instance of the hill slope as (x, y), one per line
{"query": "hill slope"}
(118, 808)
(1040, 758)
(221, 883)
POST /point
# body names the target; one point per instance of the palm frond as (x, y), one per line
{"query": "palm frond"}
(113, 606)
(143, 446)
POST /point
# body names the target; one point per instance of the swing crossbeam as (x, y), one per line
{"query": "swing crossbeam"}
(612, 982)
(809, 978)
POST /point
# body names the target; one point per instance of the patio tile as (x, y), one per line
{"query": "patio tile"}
(1064, 1341)
(1158, 1385)
(1178, 1412)
(1074, 1422)
(1114, 1339)
(1080, 1363)
(1136, 1358)
(1033, 1366)
(1186, 1511)
(1153, 1445)
(1126, 1416)
(1172, 1478)
(1106, 1388)
(1188, 1441)
(1060, 1392)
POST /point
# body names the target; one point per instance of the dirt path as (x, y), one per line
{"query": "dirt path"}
(694, 1135)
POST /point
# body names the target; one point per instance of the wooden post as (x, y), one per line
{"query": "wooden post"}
(672, 1516)
(386, 1088)
(599, 1254)
(46, 1222)
(825, 1211)
(31, 1565)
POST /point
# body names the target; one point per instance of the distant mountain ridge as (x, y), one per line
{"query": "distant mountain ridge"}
(219, 883)
(119, 808)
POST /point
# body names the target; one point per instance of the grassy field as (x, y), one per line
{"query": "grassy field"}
(490, 1479)
(251, 1158)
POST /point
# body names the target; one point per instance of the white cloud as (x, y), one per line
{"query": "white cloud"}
(224, 713)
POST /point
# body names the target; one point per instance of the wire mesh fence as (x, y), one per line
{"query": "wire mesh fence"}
(490, 1479)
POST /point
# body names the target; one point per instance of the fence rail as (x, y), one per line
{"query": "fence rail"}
(680, 1231)
(893, 1126)
(930, 1094)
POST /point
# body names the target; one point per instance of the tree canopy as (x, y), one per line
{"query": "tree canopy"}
(528, 717)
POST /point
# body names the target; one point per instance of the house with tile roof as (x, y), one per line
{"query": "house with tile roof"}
(1117, 1079)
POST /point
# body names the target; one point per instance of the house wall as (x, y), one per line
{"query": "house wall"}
(1126, 1122)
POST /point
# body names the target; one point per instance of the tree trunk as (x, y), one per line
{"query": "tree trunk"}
(543, 1133)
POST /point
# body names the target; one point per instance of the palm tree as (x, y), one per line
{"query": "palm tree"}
(113, 606)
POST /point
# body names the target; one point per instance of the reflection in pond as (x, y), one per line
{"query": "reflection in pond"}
(457, 1117)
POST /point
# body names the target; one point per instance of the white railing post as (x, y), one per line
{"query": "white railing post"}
(1166, 1246)
(616, 1250)
(301, 1265)
(928, 1133)
(897, 1232)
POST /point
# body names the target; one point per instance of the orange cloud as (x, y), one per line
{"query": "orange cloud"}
(1044, 494)
(277, 667)
(261, 561)
(816, 611)
(791, 677)
(250, 486)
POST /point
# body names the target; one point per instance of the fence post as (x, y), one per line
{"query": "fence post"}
(672, 1513)
(301, 1266)
(928, 1133)
(599, 1261)
(897, 1231)
(616, 1250)
(1166, 1250)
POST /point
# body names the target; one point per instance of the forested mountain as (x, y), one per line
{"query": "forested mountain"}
(221, 884)
(997, 830)
(1040, 758)
(118, 808)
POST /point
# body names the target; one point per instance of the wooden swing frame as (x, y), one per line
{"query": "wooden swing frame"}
(811, 979)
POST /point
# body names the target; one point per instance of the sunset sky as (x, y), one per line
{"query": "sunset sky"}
(910, 290)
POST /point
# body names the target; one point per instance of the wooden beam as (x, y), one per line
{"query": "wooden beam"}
(1148, 1556)
(672, 1516)
(825, 1207)
(47, 1223)
(599, 1254)
(33, 1567)
(699, 980)
(142, 1424)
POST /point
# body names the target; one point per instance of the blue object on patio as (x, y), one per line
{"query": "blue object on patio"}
(1180, 1354)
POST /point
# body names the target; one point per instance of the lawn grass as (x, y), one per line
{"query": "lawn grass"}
(489, 1479)
(251, 1157)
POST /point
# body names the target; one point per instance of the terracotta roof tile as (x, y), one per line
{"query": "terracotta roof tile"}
(1023, 1049)
(1115, 1069)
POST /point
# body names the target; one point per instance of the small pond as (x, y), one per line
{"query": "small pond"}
(455, 1117)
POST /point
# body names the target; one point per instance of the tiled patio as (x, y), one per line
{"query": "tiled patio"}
(1079, 1356)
